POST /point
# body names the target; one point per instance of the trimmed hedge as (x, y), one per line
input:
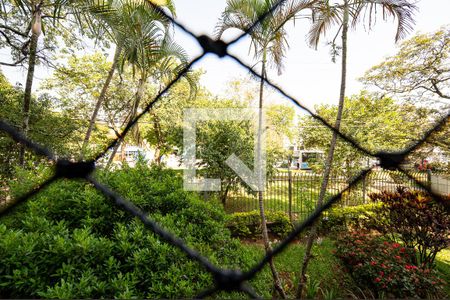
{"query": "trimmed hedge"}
(248, 224)
(349, 217)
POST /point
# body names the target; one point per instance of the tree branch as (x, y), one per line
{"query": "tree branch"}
(14, 64)
(14, 30)
(438, 91)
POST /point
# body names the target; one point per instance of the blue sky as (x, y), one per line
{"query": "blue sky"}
(309, 75)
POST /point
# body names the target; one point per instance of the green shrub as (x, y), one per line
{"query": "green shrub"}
(386, 268)
(248, 224)
(70, 242)
(349, 217)
(416, 219)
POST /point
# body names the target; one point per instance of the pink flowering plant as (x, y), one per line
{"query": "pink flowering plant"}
(386, 268)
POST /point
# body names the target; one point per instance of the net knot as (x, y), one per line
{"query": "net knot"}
(390, 161)
(217, 47)
(68, 169)
(229, 280)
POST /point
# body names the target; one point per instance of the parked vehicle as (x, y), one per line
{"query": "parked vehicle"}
(304, 159)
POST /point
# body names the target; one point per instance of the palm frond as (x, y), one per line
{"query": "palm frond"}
(325, 16)
(402, 10)
(268, 34)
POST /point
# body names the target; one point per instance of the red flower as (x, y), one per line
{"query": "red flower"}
(378, 279)
(398, 257)
(402, 250)
(395, 245)
(373, 263)
(410, 267)
(381, 273)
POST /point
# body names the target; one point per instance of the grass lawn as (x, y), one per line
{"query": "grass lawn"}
(443, 266)
(326, 277)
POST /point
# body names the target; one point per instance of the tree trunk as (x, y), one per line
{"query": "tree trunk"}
(159, 139)
(157, 156)
(100, 100)
(114, 151)
(134, 109)
(329, 161)
(123, 152)
(276, 278)
(36, 29)
(224, 195)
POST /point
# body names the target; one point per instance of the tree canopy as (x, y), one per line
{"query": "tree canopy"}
(376, 123)
(419, 71)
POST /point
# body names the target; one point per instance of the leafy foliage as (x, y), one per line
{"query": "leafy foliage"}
(419, 70)
(61, 21)
(247, 224)
(386, 268)
(78, 84)
(269, 37)
(377, 124)
(54, 130)
(349, 218)
(416, 219)
(216, 141)
(70, 242)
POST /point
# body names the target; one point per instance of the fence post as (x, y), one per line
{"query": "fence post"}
(290, 193)
(429, 178)
(364, 188)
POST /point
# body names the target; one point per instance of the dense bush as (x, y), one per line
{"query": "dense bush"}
(386, 268)
(416, 219)
(349, 217)
(248, 224)
(71, 242)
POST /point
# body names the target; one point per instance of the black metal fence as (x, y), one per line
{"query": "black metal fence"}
(297, 193)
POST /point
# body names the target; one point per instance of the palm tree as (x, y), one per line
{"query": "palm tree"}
(269, 41)
(36, 11)
(346, 14)
(117, 17)
(148, 49)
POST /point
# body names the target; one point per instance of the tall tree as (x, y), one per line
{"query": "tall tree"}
(269, 41)
(345, 14)
(33, 11)
(22, 23)
(419, 70)
(118, 18)
(148, 49)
